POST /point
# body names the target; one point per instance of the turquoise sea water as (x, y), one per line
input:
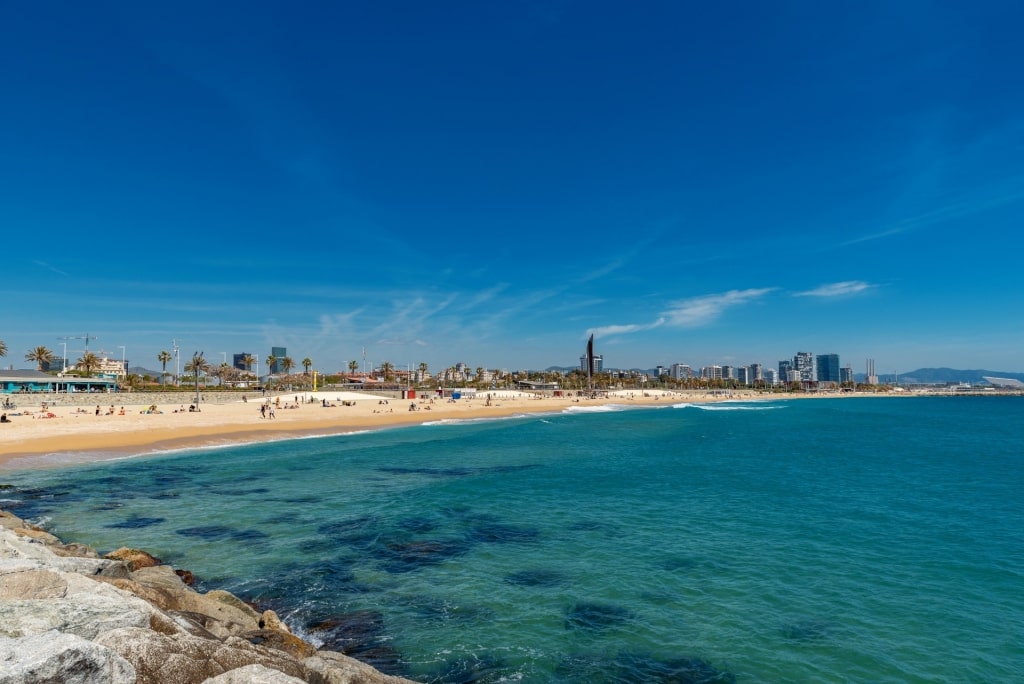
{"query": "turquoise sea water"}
(846, 540)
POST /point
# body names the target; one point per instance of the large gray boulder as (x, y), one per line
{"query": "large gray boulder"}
(254, 674)
(335, 668)
(54, 657)
(186, 659)
(84, 615)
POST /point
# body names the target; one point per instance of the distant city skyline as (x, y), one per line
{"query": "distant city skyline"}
(494, 182)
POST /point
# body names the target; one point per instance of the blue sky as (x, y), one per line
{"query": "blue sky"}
(490, 182)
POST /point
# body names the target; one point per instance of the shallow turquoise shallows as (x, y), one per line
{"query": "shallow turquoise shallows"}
(844, 540)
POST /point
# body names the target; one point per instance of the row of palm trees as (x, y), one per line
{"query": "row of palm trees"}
(199, 365)
(42, 356)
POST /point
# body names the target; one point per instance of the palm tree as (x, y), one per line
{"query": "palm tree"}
(248, 360)
(353, 366)
(41, 355)
(223, 371)
(271, 361)
(3, 348)
(387, 370)
(87, 363)
(423, 370)
(287, 364)
(196, 366)
(307, 363)
(163, 357)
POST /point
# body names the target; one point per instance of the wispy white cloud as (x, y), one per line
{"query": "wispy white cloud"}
(609, 330)
(48, 267)
(698, 311)
(693, 312)
(847, 287)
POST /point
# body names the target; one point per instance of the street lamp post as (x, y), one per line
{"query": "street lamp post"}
(124, 366)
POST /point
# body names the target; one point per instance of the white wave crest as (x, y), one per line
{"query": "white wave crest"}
(723, 407)
(604, 408)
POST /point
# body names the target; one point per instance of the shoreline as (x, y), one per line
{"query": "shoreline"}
(64, 435)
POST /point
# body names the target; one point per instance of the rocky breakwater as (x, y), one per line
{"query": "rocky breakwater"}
(68, 615)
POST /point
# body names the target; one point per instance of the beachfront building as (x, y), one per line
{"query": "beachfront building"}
(846, 375)
(756, 373)
(238, 361)
(33, 381)
(278, 353)
(743, 375)
(107, 368)
(803, 362)
(680, 371)
(828, 368)
(784, 367)
(711, 373)
(771, 376)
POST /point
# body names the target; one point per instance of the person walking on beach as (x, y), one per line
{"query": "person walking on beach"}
(263, 411)
(272, 411)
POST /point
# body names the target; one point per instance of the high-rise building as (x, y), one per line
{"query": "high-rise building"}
(784, 368)
(743, 375)
(680, 371)
(711, 373)
(756, 372)
(771, 376)
(238, 361)
(278, 353)
(728, 373)
(828, 368)
(598, 366)
(846, 375)
(803, 362)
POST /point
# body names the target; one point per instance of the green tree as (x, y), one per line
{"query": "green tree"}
(353, 366)
(271, 361)
(41, 355)
(164, 357)
(388, 371)
(287, 363)
(3, 348)
(248, 360)
(197, 366)
(87, 363)
(307, 363)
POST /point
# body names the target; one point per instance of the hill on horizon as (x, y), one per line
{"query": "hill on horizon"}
(939, 376)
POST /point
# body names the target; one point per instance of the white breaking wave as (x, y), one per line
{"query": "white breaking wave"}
(721, 407)
(606, 408)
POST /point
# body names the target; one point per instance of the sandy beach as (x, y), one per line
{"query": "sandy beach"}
(64, 435)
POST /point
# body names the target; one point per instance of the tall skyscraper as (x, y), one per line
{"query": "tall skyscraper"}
(756, 372)
(278, 353)
(846, 375)
(681, 371)
(828, 368)
(803, 363)
(785, 367)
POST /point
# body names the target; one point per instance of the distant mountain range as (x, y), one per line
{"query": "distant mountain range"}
(942, 376)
